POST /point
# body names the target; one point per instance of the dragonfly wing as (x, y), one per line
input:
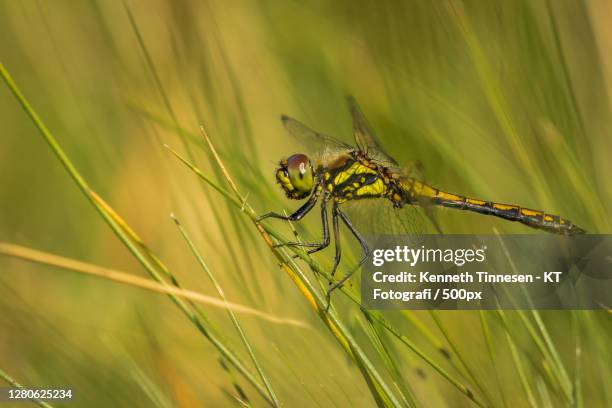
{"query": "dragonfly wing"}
(379, 217)
(415, 171)
(319, 146)
(364, 137)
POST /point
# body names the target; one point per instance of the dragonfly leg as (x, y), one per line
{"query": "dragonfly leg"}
(297, 215)
(338, 255)
(364, 248)
(317, 246)
(324, 221)
(336, 227)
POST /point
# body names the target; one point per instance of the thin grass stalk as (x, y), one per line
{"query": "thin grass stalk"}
(517, 362)
(545, 399)
(378, 317)
(550, 351)
(545, 366)
(160, 87)
(12, 382)
(165, 99)
(337, 328)
(231, 314)
(566, 383)
(577, 334)
(496, 99)
(437, 141)
(241, 397)
(564, 68)
(578, 180)
(155, 74)
(290, 367)
(376, 338)
(45, 258)
(545, 369)
(239, 227)
(228, 69)
(490, 350)
(121, 234)
(550, 367)
(246, 209)
(601, 346)
(425, 332)
(459, 355)
(156, 396)
(158, 264)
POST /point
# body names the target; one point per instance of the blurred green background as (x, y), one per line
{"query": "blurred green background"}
(505, 101)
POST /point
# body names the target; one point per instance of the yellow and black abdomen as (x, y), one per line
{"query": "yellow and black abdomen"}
(422, 192)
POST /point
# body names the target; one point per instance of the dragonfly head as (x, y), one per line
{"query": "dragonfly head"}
(296, 177)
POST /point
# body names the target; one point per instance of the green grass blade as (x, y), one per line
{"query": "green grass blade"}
(241, 396)
(70, 264)
(496, 99)
(376, 338)
(121, 234)
(459, 355)
(491, 352)
(164, 96)
(343, 335)
(13, 383)
(542, 339)
(577, 334)
(148, 386)
(544, 393)
(154, 73)
(231, 314)
(518, 363)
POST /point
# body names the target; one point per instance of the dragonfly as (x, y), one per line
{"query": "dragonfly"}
(340, 173)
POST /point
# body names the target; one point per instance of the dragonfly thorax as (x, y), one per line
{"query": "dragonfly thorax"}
(358, 177)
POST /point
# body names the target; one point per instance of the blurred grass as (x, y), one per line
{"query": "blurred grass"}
(149, 261)
(507, 101)
(11, 382)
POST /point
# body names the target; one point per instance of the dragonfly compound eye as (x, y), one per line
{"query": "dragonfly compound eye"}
(295, 176)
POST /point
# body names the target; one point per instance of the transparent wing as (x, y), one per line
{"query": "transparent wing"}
(378, 217)
(319, 146)
(410, 170)
(366, 139)
(415, 171)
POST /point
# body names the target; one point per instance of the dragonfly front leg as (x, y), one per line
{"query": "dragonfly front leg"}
(297, 215)
(317, 246)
